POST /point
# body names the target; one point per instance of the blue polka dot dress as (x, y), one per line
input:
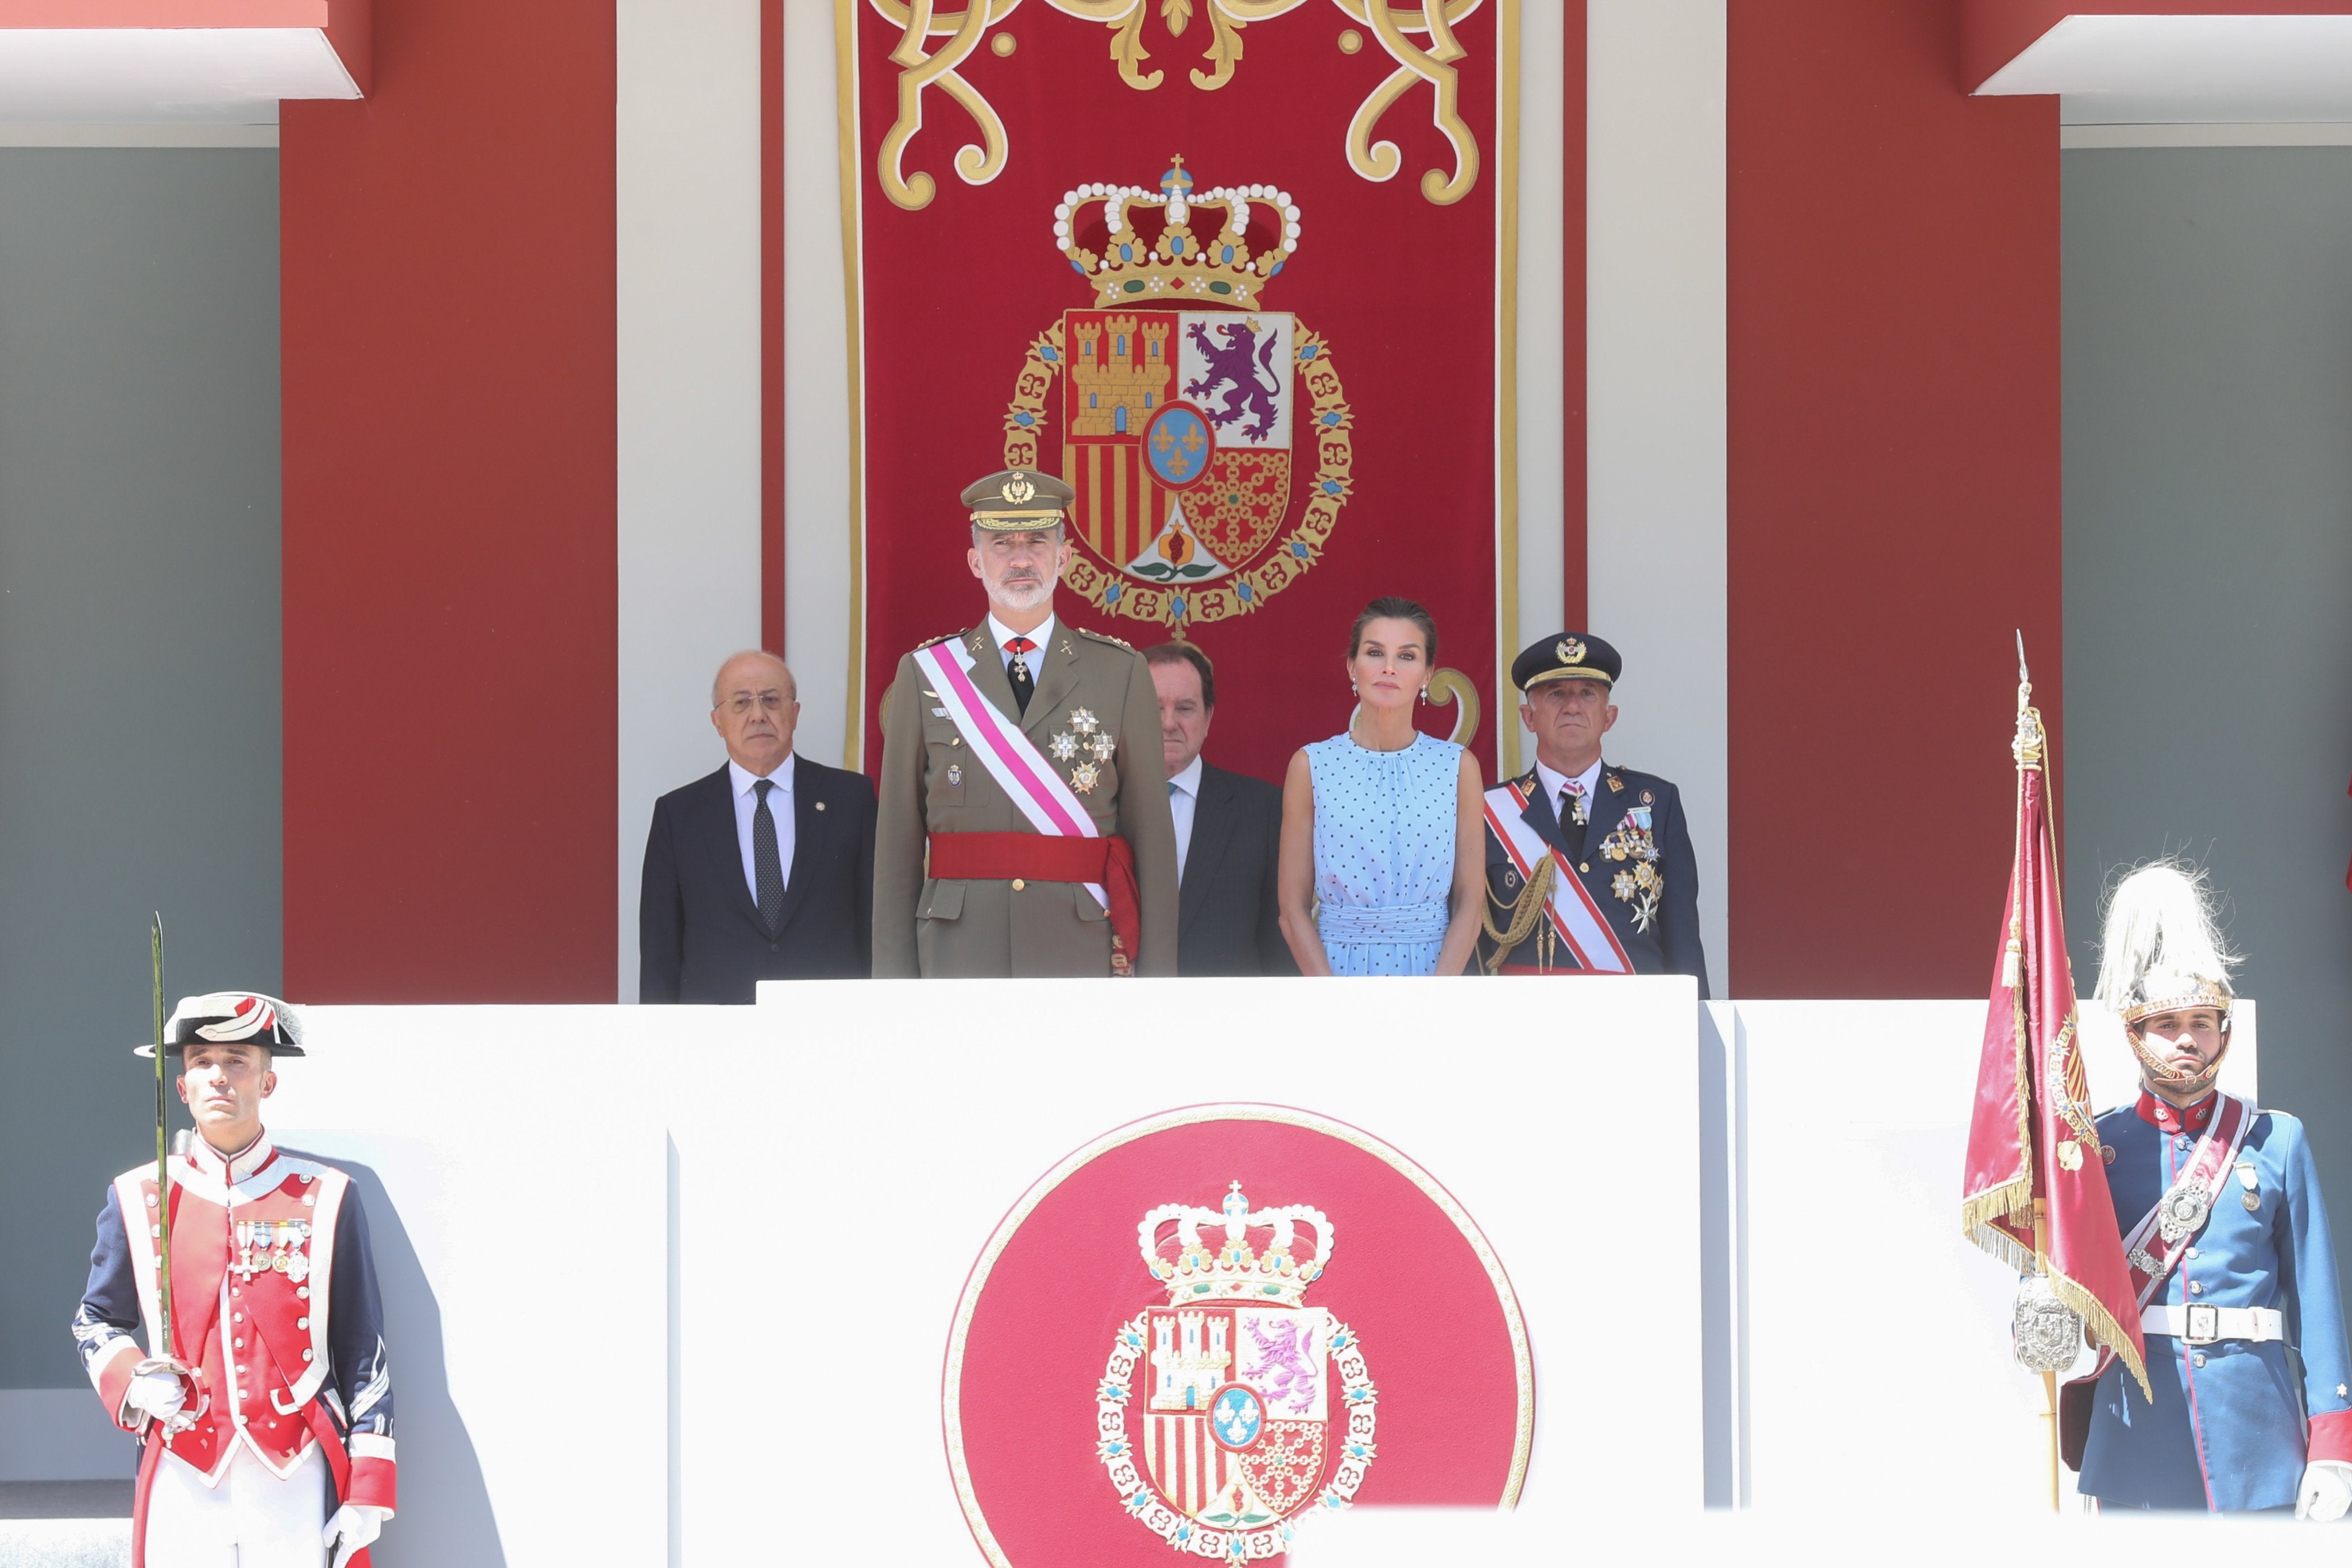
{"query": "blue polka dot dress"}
(1384, 826)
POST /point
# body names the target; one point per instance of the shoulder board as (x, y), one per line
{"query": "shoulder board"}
(1106, 637)
(935, 641)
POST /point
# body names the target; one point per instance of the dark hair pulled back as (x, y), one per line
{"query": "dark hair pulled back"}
(1389, 607)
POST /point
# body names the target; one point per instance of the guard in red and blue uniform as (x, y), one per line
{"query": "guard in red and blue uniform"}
(268, 1420)
(2227, 1237)
(1621, 892)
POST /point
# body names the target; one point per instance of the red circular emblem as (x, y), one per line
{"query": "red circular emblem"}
(1207, 1323)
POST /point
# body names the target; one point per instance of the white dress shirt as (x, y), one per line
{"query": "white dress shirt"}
(1183, 799)
(780, 806)
(1042, 634)
(1587, 781)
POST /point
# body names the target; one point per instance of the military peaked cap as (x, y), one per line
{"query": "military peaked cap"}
(1567, 656)
(1018, 500)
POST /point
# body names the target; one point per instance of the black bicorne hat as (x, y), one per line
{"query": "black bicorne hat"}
(245, 1018)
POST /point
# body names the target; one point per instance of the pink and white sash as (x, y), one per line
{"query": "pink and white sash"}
(1583, 929)
(1010, 758)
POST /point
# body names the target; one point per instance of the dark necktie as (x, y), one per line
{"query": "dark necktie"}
(767, 861)
(1572, 804)
(1017, 672)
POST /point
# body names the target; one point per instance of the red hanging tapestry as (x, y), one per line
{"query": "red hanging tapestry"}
(1251, 303)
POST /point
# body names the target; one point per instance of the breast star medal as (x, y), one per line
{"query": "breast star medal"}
(1064, 746)
(1083, 777)
(1082, 720)
(1101, 745)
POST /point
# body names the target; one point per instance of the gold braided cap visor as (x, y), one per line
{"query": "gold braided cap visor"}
(1569, 673)
(1017, 522)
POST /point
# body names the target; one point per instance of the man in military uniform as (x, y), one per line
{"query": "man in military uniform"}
(1023, 825)
(2226, 1236)
(267, 1419)
(1589, 865)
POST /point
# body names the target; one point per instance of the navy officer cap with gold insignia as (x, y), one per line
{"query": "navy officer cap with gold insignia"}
(1017, 500)
(1566, 656)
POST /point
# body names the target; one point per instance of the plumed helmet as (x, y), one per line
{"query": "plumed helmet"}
(2160, 950)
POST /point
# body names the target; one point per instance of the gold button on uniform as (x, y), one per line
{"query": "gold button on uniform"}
(1018, 884)
(1586, 868)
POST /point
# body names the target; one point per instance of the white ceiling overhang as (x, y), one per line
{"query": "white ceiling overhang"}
(176, 61)
(2187, 69)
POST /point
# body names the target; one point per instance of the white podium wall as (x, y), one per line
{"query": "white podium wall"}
(626, 1250)
(918, 1125)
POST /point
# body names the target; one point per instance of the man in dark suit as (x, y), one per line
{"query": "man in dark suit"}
(1589, 865)
(763, 871)
(1228, 828)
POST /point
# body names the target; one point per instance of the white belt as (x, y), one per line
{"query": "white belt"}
(2200, 1324)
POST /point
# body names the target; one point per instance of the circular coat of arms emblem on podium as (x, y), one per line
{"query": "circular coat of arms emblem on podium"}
(1207, 437)
(1125, 1375)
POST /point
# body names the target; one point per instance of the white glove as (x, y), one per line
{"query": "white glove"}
(2326, 1490)
(156, 1394)
(354, 1526)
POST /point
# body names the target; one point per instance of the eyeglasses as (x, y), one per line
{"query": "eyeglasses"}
(742, 703)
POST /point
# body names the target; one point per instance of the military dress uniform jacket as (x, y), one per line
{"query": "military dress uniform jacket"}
(931, 783)
(1635, 820)
(274, 1301)
(2234, 1421)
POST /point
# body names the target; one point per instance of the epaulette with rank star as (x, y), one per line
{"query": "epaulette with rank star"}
(1106, 637)
(935, 641)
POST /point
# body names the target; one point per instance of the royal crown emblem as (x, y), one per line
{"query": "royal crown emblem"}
(1175, 404)
(1228, 1391)
(1569, 650)
(1017, 490)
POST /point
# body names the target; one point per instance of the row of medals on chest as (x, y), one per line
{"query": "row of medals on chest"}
(271, 1247)
(1085, 734)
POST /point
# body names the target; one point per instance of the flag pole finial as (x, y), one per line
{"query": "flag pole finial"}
(2028, 745)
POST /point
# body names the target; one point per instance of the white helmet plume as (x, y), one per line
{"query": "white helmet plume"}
(2160, 949)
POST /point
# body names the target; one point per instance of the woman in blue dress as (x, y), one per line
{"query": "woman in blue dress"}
(1383, 862)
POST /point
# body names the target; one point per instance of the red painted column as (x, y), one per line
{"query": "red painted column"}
(1894, 493)
(447, 287)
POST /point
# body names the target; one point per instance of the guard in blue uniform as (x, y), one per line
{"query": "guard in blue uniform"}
(2227, 1237)
(1589, 865)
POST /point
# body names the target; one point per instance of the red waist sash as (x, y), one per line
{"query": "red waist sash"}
(1036, 857)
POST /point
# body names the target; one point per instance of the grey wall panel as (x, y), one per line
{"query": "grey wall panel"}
(2208, 572)
(139, 661)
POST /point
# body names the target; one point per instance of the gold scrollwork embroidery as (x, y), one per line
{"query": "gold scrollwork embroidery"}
(1451, 685)
(917, 71)
(1382, 159)
(1377, 161)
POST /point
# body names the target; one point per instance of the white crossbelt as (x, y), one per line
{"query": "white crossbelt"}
(2200, 1324)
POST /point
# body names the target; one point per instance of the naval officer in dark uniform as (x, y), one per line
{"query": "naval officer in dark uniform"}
(1589, 865)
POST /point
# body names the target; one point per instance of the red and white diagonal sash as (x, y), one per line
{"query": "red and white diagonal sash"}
(2152, 1257)
(998, 745)
(1582, 928)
